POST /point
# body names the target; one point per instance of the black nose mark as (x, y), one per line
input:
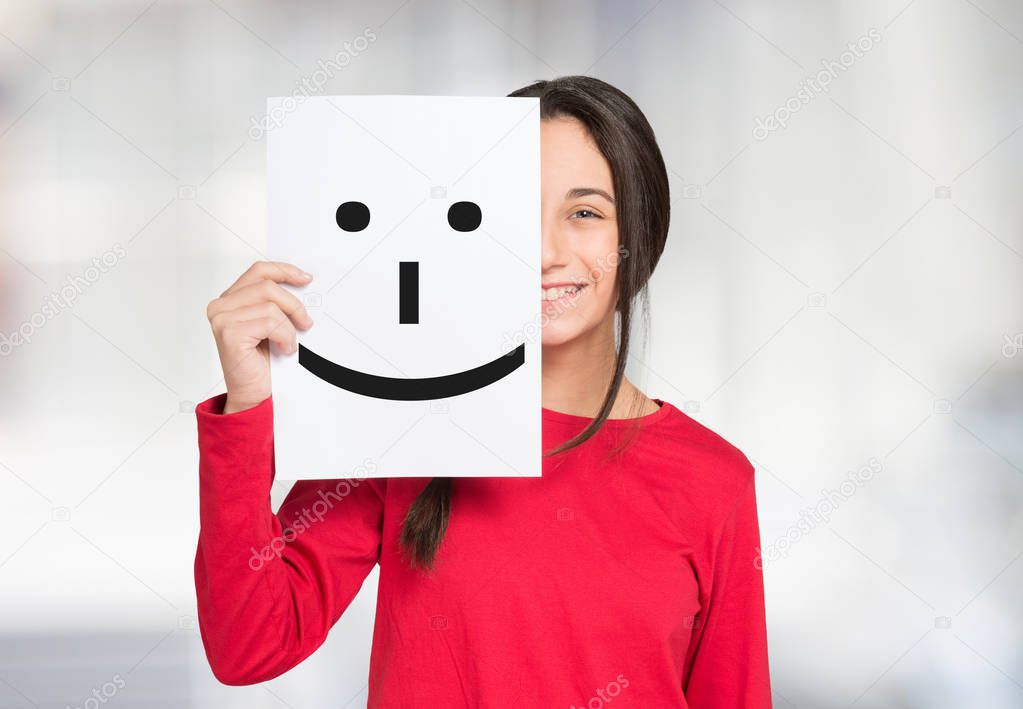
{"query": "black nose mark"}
(353, 216)
(408, 292)
(464, 216)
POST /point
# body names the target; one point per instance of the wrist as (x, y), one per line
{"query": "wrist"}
(234, 404)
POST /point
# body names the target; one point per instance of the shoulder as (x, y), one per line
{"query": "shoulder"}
(703, 461)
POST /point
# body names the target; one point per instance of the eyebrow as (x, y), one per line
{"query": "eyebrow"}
(584, 191)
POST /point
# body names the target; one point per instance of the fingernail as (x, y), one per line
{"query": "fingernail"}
(307, 276)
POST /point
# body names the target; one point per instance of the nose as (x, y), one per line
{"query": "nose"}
(552, 251)
(408, 292)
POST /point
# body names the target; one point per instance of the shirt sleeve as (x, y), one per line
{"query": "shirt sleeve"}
(728, 650)
(270, 586)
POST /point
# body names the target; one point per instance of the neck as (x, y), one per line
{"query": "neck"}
(577, 373)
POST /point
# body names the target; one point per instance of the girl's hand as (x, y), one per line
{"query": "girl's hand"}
(249, 315)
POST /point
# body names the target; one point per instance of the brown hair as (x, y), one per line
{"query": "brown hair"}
(625, 139)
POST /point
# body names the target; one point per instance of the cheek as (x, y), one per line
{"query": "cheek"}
(602, 260)
(605, 288)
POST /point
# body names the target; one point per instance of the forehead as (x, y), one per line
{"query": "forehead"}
(570, 157)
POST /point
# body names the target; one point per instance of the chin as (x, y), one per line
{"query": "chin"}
(562, 329)
(553, 339)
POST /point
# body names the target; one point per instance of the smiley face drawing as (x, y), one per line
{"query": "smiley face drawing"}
(419, 218)
(462, 217)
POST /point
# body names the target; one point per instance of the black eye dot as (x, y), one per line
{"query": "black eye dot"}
(353, 216)
(464, 216)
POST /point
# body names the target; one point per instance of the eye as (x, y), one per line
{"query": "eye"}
(586, 213)
(464, 216)
(352, 216)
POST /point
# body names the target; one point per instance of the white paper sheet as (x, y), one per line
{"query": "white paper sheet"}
(408, 159)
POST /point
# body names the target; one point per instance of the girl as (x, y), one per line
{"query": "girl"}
(626, 575)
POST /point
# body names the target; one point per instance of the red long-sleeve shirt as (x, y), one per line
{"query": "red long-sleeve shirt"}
(621, 582)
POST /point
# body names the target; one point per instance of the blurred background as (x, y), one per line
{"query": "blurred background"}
(841, 297)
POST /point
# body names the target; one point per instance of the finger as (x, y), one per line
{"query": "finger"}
(277, 271)
(261, 292)
(264, 309)
(277, 329)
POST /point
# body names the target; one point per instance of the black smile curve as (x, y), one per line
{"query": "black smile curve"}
(423, 389)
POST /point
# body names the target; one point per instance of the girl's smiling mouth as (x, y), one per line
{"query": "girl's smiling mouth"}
(560, 292)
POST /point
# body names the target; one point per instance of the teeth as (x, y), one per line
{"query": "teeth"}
(555, 293)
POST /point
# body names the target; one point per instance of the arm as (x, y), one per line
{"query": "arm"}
(728, 651)
(269, 587)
